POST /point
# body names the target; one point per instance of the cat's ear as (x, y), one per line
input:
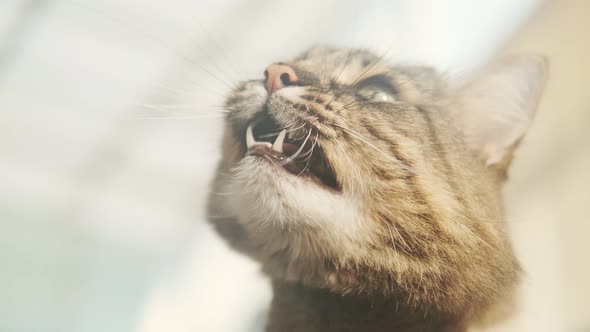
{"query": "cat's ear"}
(495, 109)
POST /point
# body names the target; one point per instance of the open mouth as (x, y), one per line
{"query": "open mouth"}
(294, 149)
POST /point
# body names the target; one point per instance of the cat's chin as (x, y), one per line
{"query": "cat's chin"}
(261, 190)
(299, 170)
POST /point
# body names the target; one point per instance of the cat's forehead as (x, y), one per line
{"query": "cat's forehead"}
(349, 66)
(342, 65)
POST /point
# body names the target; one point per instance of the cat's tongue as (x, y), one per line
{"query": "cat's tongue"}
(290, 148)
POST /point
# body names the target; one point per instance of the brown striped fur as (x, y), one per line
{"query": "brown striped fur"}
(415, 239)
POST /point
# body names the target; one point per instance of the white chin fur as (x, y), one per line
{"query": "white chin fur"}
(263, 193)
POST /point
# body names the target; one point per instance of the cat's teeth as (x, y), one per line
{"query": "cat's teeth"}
(278, 144)
(250, 141)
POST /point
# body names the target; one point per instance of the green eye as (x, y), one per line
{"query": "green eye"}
(377, 92)
(377, 88)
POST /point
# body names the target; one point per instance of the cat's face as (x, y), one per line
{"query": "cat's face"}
(346, 118)
(340, 170)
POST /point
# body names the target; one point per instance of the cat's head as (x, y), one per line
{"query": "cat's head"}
(342, 171)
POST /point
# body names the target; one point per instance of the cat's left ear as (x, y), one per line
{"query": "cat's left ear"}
(496, 108)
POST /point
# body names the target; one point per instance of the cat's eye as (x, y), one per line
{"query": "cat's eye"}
(375, 93)
(377, 89)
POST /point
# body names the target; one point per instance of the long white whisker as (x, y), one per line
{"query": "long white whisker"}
(193, 117)
(278, 132)
(310, 152)
(310, 155)
(293, 156)
(164, 106)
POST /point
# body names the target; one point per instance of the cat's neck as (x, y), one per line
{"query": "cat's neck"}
(296, 308)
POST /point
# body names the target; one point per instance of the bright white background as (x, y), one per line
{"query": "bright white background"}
(109, 132)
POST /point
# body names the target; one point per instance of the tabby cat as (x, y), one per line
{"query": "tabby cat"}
(371, 193)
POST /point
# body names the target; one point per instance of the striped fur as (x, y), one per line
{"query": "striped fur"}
(417, 224)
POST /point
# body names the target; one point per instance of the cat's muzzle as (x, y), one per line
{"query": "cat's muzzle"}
(295, 150)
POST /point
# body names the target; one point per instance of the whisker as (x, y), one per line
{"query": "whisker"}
(357, 136)
(223, 194)
(352, 103)
(293, 156)
(306, 166)
(186, 111)
(126, 23)
(194, 117)
(220, 48)
(176, 91)
(310, 155)
(164, 106)
(219, 217)
(278, 132)
(309, 152)
(361, 76)
(323, 75)
(348, 58)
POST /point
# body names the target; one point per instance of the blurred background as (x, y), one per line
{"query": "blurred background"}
(110, 128)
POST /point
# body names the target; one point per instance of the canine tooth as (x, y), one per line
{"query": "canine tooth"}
(250, 141)
(278, 144)
(268, 135)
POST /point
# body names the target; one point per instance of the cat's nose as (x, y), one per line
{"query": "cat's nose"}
(279, 76)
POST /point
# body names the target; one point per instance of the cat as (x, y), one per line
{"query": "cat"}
(371, 192)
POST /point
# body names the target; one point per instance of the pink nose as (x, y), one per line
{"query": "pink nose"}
(279, 76)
